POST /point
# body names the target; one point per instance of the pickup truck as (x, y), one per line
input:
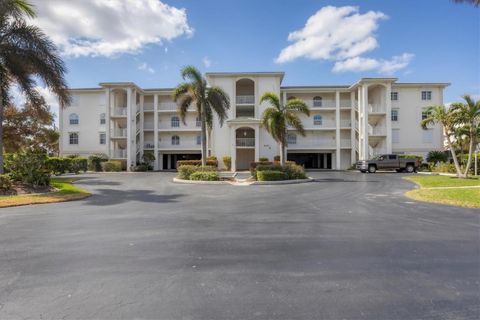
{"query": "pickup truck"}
(388, 162)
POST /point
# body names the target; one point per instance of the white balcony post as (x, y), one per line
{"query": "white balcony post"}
(107, 121)
(233, 147)
(142, 121)
(155, 131)
(257, 143)
(365, 120)
(129, 127)
(352, 131)
(388, 119)
(337, 129)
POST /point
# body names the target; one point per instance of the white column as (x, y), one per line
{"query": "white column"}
(108, 110)
(360, 123)
(257, 143)
(129, 127)
(233, 147)
(352, 131)
(141, 125)
(284, 97)
(389, 118)
(155, 132)
(365, 120)
(337, 130)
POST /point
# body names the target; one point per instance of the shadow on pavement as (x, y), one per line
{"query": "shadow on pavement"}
(105, 197)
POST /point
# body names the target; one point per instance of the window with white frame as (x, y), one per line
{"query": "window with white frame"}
(317, 120)
(175, 140)
(198, 122)
(199, 140)
(292, 138)
(175, 121)
(395, 135)
(73, 118)
(73, 137)
(426, 95)
(317, 101)
(102, 118)
(427, 136)
(394, 115)
(102, 137)
(394, 96)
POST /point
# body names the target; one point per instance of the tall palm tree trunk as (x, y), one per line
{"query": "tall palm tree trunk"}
(204, 138)
(454, 156)
(470, 152)
(282, 153)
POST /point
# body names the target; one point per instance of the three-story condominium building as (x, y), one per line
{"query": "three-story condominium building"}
(347, 122)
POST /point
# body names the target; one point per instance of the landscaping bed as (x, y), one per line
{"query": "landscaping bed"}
(446, 190)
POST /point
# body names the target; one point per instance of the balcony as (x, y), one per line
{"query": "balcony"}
(148, 145)
(322, 124)
(119, 154)
(148, 125)
(183, 144)
(119, 112)
(377, 130)
(167, 106)
(345, 143)
(345, 123)
(245, 142)
(376, 108)
(119, 133)
(323, 104)
(148, 106)
(313, 144)
(245, 99)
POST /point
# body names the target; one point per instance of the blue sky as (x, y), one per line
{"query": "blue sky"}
(436, 41)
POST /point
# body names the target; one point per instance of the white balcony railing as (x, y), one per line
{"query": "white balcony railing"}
(120, 111)
(323, 124)
(376, 108)
(148, 125)
(167, 106)
(313, 143)
(245, 142)
(345, 143)
(345, 123)
(320, 104)
(149, 145)
(119, 154)
(377, 130)
(345, 103)
(245, 99)
(148, 106)
(119, 132)
(184, 144)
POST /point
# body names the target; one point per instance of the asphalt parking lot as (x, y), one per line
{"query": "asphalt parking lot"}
(348, 246)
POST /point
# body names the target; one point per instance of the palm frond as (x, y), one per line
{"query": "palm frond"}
(272, 98)
(219, 101)
(294, 121)
(298, 105)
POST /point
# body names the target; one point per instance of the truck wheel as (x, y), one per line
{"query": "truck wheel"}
(410, 168)
(372, 169)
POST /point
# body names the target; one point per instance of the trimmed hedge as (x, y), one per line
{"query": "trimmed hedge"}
(28, 167)
(205, 176)
(291, 171)
(271, 176)
(185, 171)
(95, 161)
(445, 168)
(112, 166)
(5, 182)
(262, 159)
(180, 163)
(253, 166)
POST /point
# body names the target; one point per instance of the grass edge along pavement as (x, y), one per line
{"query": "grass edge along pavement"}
(66, 191)
(446, 190)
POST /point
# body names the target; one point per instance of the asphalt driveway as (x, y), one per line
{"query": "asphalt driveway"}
(349, 246)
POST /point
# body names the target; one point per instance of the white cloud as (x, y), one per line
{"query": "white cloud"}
(206, 62)
(109, 27)
(343, 35)
(359, 64)
(145, 67)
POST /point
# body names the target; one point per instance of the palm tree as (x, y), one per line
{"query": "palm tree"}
(26, 53)
(476, 3)
(448, 120)
(207, 101)
(468, 115)
(278, 117)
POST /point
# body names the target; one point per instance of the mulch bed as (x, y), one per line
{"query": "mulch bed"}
(22, 189)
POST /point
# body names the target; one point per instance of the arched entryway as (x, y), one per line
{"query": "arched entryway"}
(245, 147)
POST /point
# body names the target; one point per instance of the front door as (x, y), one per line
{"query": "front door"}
(244, 157)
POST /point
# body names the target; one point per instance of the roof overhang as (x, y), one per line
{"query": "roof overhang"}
(280, 74)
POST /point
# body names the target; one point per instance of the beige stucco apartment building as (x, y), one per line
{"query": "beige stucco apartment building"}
(347, 123)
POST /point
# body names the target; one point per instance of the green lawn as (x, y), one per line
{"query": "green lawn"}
(66, 192)
(463, 197)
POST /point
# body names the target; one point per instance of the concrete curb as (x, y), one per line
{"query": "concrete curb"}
(298, 181)
(176, 180)
(438, 174)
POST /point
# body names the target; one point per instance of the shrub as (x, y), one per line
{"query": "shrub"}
(57, 165)
(213, 158)
(253, 166)
(205, 176)
(112, 166)
(78, 164)
(185, 171)
(227, 161)
(437, 156)
(276, 158)
(270, 175)
(444, 168)
(180, 163)
(269, 167)
(141, 167)
(419, 158)
(5, 182)
(95, 161)
(425, 167)
(294, 171)
(72, 156)
(29, 167)
(148, 157)
(263, 159)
